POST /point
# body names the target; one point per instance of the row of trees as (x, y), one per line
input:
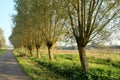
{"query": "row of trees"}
(36, 22)
(2, 39)
(45, 21)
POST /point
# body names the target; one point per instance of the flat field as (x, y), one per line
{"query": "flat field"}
(103, 65)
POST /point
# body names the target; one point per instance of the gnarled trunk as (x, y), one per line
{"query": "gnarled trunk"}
(38, 54)
(30, 50)
(49, 45)
(50, 54)
(83, 58)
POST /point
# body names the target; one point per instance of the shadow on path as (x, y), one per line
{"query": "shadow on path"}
(10, 69)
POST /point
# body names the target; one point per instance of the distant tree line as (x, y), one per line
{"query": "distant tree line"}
(88, 47)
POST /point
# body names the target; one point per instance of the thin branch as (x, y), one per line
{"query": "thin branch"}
(99, 6)
(104, 14)
(98, 31)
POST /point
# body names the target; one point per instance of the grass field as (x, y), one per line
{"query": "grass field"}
(103, 64)
(2, 51)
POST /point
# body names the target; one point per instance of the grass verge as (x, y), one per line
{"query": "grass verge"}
(36, 71)
(2, 51)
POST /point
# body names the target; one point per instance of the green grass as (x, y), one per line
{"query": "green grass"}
(67, 67)
(2, 51)
(36, 71)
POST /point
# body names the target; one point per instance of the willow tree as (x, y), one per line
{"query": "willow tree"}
(27, 25)
(53, 20)
(38, 39)
(36, 20)
(15, 38)
(89, 19)
(2, 39)
(23, 24)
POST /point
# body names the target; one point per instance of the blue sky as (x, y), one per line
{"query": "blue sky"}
(6, 11)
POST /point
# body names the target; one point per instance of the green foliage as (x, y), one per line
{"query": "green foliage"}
(116, 64)
(107, 61)
(100, 74)
(72, 70)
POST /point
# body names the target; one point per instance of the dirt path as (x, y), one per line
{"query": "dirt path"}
(9, 69)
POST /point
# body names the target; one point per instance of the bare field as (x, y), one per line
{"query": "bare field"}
(113, 54)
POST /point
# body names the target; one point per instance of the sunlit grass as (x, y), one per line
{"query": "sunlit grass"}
(35, 71)
(2, 51)
(103, 66)
(114, 55)
(66, 64)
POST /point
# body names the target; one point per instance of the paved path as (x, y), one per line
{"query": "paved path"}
(9, 69)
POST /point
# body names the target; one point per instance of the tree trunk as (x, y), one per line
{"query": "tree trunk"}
(38, 55)
(30, 52)
(83, 58)
(50, 54)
